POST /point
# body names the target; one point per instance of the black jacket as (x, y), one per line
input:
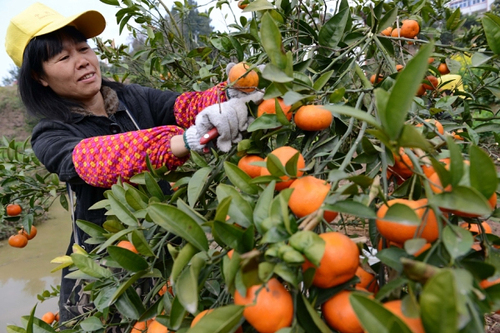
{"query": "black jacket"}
(53, 141)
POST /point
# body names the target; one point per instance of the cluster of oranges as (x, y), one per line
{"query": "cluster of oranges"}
(22, 238)
(50, 317)
(408, 29)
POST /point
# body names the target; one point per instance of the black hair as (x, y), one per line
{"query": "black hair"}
(41, 101)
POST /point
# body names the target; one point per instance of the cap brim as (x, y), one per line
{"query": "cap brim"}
(90, 23)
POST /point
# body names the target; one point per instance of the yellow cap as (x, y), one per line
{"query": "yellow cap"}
(39, 19)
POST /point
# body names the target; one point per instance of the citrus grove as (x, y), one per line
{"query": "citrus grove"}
(357, 131)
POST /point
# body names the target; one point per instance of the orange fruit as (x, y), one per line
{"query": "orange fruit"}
(340, 315)
(436, 187)
(242, 4)
(402, 165)
(367, 281)
(13, 209)
(268, 307)
(242, 79)
(428, 169)
(127, 245)
(139, 327)
(430, 60)
(379, 79)
(49, 317)
(420, 91)
(436, 124)
(245, 164)
(339, 262)
(433, 82)
(409, 29)
(284, 154)
(488, 283)
(31, 235)
(330, 215)
(414, 324)
(308, 195)
(473, 227)
(199, 316)
(57, 316)
(399, 232)
(268, 106)
(399, 67)
(396, 32)
(388, 244)
(313, 118)
(155, 327)
(443, 68)
(18, 241)
(387, 31)
(165, 288)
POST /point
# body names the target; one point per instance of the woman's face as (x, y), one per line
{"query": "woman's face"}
(74, 73)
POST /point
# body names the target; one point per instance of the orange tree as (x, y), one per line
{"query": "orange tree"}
(223, 233)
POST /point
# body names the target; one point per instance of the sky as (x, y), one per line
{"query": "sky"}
(10, 8)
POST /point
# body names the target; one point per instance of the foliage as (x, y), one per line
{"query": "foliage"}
(310, 58)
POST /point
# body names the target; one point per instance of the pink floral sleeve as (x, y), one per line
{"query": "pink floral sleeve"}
(189, 104)
(101, 160)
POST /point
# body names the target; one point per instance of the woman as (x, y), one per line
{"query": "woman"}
(93, 131)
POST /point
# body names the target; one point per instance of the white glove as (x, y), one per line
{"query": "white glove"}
(192, 139)
(230, 118)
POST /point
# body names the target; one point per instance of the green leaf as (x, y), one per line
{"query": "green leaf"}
(374, 317)
(196, 185)
(89, 266)
(135, 198)
(182, 259)
(310, 244)
(403, 214)
(438, 303)
(259, 5)
(186, 287)
(331, 33)
(413, 138)
(128, 259)
(457, 240)
(239, 178)
(270, 36)
(222, 319)
(176, 221)
(263, 206)
(401, 97)
(308, 317)
(153, 187)
(482, 172)
(454, 22)
(240, 209)
(491, 25)
(122, 212)
(129, 304)
(275, 74)
(231, 235)
(353, 208)
(141, 244)
(388, 19)
(266, 121)
(91, 324)
(91, 229)
(322, 80)
(352, 112)
(15, 329)
(463, 199)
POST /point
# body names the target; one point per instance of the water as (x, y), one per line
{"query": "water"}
(25, 273)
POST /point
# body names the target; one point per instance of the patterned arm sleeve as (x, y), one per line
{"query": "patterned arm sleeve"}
(189, 104)
(101, 160)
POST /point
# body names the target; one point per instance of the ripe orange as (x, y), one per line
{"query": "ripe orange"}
(409, 29)
(473, 227)
(402, 165)
(367, 281)
(340, 315)
(284, 154)
(414, 324)
(31, 235)
(379, 79)
(400, 233)
(18, 241)
(428, 169)
(329, 215)
(430, 60)
(339, 262)
(269, 106)
(488, 283)
(165, 288)
(313, 118)
(399, 67)
(57, 316)
(139, 327)
(242, 79)
(387, 31)
(443, 68)
(420, 91)
(436, 124)
(127, 245)
(49, 317)
(433, 82)
(245, 164)
(396, 32)
(199, 316)
(242, 4)
(268, 308)
(230, 253)
(308, 195)
(155, 327)
(13, 209)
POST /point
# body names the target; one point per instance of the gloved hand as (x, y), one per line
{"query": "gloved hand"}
(230, 118)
